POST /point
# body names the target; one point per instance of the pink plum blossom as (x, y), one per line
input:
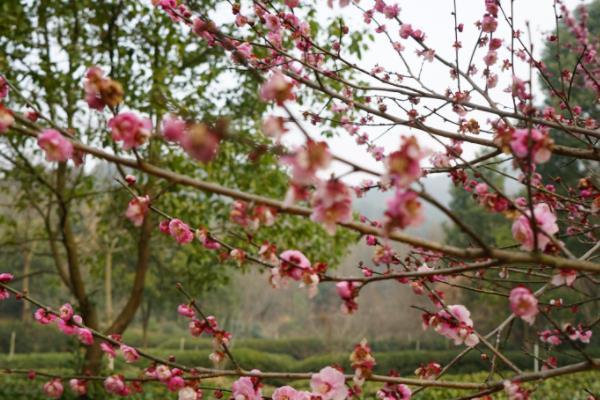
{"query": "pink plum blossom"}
(129, 128)
(514, 391)
(68, 327)
(4, 88)
(53, 389)
(130, 179)
(188, 393)
(330, 384)
(175, 383)
(115, 384)
(245, 389)
(274, 127)
(306, 161)
(393, 391)
(137, 209)
(405, 31)
(404, 209)
(539, 141)
(391, 11)
(5, 277)
(201, 142)
(78, 386)
(577, 332)
(180, 231)
(546, 222)
(523, 304)
(564, 277)
(6, 119)
(362, 361)
(101, 91)
(108, 349)
(277, 88)
(550, 336)
(403, 166)
(186, 310)
(55, 145)
(332, 205)
(173, 128)
(85, 336)
(348, 291)
(43, 317)
(65, 311)
(130, 354)
(289, 393)
(294, 264)
(489, 24)
(204, 237)
(455, 324)
(163, 373)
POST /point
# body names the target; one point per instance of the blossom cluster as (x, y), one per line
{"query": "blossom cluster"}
(6, 115)
(454, 322)
(208, 325)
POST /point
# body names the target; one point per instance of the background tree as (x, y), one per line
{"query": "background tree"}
(47, 53)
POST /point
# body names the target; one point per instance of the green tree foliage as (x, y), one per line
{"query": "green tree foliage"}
(557, 58)
(45, 49)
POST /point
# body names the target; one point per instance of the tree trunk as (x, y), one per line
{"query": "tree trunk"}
(137, 290)
(146, 312)
(93, 355)
(27, 256)
(108, 281)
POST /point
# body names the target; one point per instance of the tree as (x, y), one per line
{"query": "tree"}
(154, 78)
(307, 75)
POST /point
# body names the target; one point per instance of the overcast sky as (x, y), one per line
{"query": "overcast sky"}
(435, 19)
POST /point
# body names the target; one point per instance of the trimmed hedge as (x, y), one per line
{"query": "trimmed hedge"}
(404, 362)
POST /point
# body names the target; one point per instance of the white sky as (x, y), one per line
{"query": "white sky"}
(435, 19)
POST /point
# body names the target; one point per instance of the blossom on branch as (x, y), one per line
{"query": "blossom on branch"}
(137, 209)
(180, 231)
(129, 128)
(277, 88)
(4, 88)
(55, 145)
(330, 384)
(403, 165)
(403, 210)
(545, 220)
(53, 389)
(306, 161)
(362, 361)
(101, 91)
(246, 388)
(332, 204)
(78, 386)
(5, 277)
(523, 304)
(6, 119)
(201, 142)
(115, 384)
(454, 322)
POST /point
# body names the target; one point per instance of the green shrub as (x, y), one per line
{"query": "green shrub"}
(30, 338)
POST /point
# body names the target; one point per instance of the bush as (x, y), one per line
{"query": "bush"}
(32, 340)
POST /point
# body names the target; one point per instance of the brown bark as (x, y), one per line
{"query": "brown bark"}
(146, 312)
(27, 256)
(137, 290)
(108, 266)
(93, 355)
